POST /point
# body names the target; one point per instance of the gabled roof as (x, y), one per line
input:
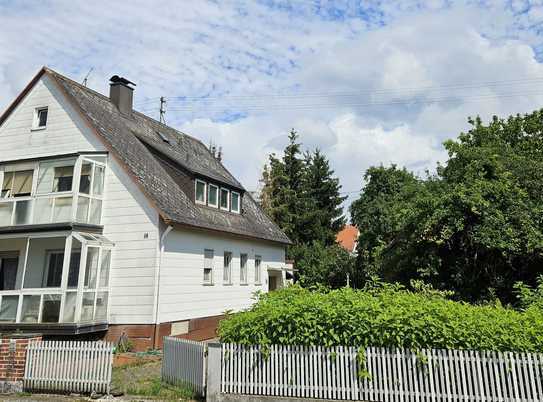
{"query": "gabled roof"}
(129, 139)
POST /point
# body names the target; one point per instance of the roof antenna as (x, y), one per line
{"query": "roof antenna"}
(87, 76)
(162, 110)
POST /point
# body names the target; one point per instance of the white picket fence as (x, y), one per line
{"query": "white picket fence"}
(393, 374)
(183, 363)
(68, 366)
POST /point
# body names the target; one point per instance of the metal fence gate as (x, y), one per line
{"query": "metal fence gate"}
(68, 366)
(184, 363)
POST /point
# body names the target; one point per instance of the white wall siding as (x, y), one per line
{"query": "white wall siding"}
(65, 133)
(132, 224)
(182, 292)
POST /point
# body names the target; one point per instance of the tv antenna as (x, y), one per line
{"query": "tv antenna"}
(87, 76)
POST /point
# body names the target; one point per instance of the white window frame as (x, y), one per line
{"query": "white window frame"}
(243, 280)
(227, 269)
(216, 205)
(237, 211)
(196, 194)
(258, 269)
(227, 208)
(212, 252)
(36, 120)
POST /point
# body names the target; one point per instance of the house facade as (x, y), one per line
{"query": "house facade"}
(112, 223)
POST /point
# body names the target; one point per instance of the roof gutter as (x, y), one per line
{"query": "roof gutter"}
(162, 242)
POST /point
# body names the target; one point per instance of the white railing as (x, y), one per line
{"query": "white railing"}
(68, 366)
(377, 374)
(183, 363)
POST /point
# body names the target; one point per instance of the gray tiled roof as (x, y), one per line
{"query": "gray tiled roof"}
(130, 137)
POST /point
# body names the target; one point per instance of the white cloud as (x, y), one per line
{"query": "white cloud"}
(368, 75)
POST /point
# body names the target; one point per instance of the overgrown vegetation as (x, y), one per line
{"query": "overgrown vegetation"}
(383, 315)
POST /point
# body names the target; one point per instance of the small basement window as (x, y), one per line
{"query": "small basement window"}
(235, 202)
(225, 199)
(213, 195)
(40, 118)
(200, 192)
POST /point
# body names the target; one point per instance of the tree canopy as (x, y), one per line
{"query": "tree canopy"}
(474, 227)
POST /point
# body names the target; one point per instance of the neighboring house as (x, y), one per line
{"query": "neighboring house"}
(112, 223)
(348, 238)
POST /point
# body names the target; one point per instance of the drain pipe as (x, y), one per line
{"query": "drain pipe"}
(157, 285)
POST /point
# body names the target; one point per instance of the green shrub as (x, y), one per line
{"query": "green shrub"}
(387, 317)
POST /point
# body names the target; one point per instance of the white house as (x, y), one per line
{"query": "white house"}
(112, 223)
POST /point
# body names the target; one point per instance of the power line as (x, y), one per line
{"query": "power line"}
(307, 106)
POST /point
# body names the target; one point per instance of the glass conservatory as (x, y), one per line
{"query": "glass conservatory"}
(54, 278)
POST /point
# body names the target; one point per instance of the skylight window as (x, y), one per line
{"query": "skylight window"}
(163, 137)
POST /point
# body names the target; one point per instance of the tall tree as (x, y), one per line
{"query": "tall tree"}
(323, 191)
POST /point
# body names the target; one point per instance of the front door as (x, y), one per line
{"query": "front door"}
(273, 282)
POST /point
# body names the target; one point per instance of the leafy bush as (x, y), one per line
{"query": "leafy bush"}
(388, 316)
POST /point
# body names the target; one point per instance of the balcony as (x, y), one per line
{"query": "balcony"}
(54, 281)
(53, 191)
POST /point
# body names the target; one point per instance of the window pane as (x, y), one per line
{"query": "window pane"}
(9, 264)
(226, 267)
(39, 263)
(258, 263)
(69, 307)
(22, 212)
(22, 183)
(8, 308)
(212, 197)
(98, 183)
(200, 191)
(92, 268)
(6, 209)
(7, 184)
(62, 209)
(224, 198)
(43, 207)
(55, 260)
(87, 309)
(55, 176)
(95, 211)
(75, 263)
(104, 268)
(31, 308)
(50, 311)
(83, 204)
(235, 202)
(42, 117)
(101, 306)
(85, 181)
(243, 268)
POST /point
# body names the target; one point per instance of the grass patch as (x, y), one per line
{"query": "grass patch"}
(144, 380)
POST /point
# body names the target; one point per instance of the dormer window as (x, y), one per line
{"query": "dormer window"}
(235, 202)
(200, 192)
(40, 118)
(225, 199)
(213, 196)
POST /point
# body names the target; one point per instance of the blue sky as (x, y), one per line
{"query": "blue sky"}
(368, 82)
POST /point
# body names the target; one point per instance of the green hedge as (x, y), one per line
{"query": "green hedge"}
(388, 317)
